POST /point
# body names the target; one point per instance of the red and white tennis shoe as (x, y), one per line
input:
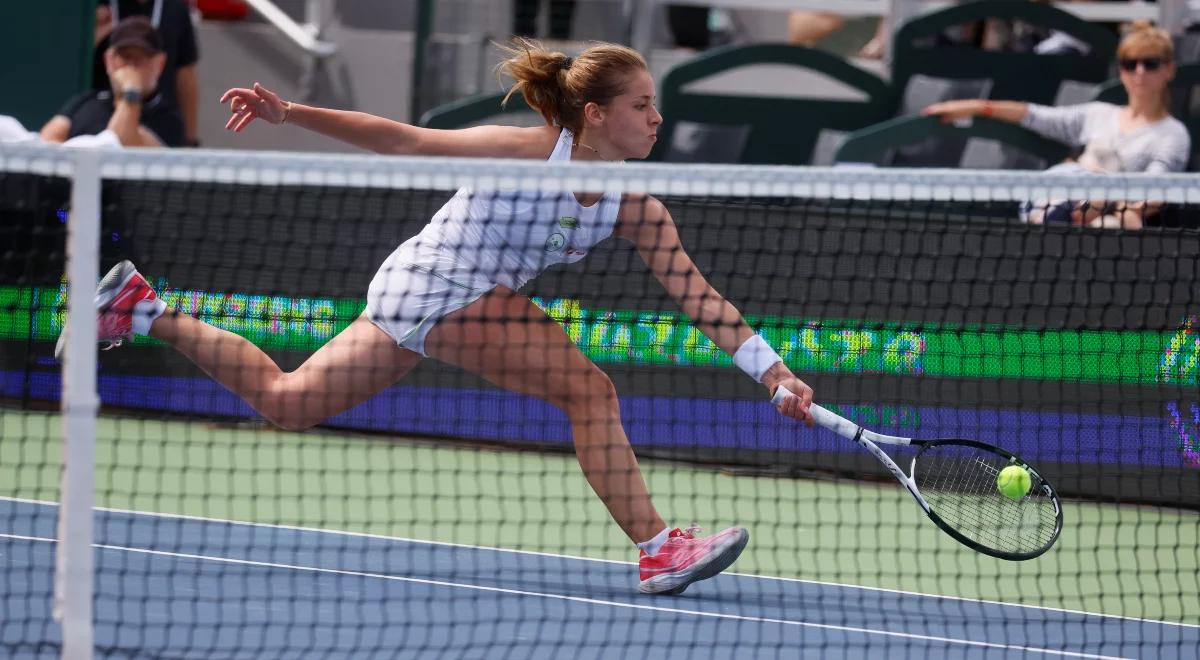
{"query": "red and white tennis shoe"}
(122, 293)
(685, 559)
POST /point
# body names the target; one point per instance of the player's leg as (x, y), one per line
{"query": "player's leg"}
(507, 340)
(358, 363)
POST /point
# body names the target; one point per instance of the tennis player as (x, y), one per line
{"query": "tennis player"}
(449, 292)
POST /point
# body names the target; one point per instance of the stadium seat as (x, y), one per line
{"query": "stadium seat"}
(1020, 76)
(705, 125)
(885, 143)
(927, 68)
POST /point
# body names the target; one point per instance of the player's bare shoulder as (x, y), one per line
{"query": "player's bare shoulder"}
(534, 141)
(640, 212)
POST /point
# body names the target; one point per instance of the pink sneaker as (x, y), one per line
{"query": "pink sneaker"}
(117, 299)
(685, 559)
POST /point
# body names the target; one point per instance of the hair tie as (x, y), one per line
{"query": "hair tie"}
(567, 62)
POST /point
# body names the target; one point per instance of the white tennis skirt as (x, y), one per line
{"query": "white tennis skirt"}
(417, 287)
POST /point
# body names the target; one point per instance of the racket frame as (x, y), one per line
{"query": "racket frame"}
(870, 440)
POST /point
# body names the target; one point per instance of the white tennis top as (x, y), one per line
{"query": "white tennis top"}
(1159, 147)
(481, 238)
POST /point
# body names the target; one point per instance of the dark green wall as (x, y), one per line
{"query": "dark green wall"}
(45, 56)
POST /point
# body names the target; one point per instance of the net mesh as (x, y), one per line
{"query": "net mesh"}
(454, 513)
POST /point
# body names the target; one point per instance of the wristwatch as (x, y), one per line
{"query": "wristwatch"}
(130, 95)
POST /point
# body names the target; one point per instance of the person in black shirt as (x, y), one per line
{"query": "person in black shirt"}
(178, 84)
(132, 108)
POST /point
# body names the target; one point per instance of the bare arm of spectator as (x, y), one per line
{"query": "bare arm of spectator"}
(951, 111)
(58, 129)
(806, 28)
(877, 47)
(127, 114)
(188, 92)
(104, 24)
(1063, 124)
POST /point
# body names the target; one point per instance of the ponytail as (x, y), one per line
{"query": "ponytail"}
(558, 87)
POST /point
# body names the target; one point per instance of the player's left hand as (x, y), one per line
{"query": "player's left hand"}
(248, 104)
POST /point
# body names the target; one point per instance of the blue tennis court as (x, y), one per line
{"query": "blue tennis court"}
(180, 587)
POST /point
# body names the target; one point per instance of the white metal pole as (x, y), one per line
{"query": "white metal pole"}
(1173, 15)
(74, 580)
(641, 32)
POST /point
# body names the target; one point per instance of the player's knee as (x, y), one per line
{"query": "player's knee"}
(285, 419)
(278, 406)
(590, 390)
(292, 422)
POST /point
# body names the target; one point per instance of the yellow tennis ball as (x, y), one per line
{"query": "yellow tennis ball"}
(1013, 481)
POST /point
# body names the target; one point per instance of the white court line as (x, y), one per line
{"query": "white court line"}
(401, 539)
(589, 601)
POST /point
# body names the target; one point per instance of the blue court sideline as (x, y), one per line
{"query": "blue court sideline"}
(174, 587)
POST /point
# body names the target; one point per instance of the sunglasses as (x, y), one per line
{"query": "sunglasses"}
(1148, 63)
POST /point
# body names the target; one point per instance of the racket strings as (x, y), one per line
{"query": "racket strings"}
(959, 483)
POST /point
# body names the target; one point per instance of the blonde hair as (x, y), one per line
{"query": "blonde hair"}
(558, 87)
(1142, 36)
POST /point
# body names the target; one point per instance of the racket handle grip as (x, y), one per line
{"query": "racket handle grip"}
(823, 417)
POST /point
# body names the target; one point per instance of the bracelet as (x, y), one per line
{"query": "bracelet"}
(287, 110)
(988, 109)
(755, 357)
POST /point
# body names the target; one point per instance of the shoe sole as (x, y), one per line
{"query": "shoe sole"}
(110, 285)
(674, 584)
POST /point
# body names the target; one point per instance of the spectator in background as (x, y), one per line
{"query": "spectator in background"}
(525, 15)
(177, 85)
(12, 132)
(1141, 136)
(689, 26)
(806, 28)
(132, 108)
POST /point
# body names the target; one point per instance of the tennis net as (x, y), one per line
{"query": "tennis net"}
(447, 517)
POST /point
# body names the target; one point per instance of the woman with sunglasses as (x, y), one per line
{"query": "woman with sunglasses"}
(1141, 136)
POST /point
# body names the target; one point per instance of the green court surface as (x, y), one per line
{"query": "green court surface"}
(1122, 560)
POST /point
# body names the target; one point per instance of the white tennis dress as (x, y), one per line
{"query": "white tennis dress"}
(477, 240)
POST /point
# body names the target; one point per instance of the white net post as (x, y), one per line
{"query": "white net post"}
(74, 578)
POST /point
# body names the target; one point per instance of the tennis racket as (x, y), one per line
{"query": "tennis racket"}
(954, 482)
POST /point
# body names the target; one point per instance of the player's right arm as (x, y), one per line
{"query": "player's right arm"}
(385, 136)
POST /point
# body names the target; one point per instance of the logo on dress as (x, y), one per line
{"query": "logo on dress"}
(555, 242)
(567, 222)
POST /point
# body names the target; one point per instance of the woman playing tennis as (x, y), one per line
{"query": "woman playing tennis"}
(449, 293)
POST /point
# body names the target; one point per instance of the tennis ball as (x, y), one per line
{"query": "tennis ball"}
(1013, 481)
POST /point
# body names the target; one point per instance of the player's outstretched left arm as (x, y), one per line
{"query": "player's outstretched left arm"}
(385, 136)
(646, 223)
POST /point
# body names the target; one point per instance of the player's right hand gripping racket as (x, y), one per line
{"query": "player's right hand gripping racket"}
(954, 482)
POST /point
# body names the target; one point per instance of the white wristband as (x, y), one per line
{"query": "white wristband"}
(755, 356)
